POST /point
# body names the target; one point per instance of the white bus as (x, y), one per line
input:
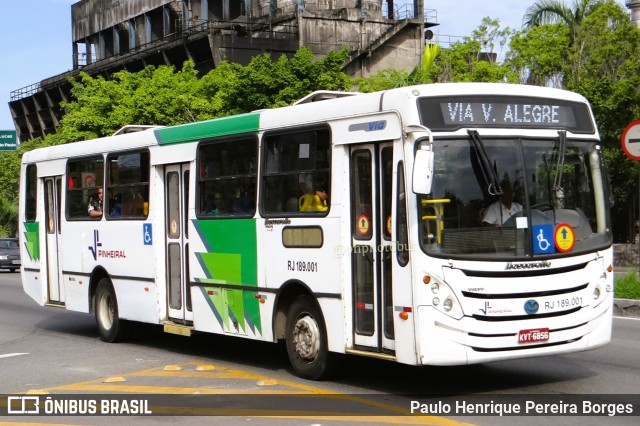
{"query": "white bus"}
(440, 224)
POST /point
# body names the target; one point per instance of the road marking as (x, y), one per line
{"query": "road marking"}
(138, 383)
(629, 318)
(16, 354)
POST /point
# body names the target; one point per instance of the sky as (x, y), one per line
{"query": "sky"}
(36, 36)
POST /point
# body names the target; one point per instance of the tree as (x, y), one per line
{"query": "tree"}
(555, 11)
(476, 58)
(539, 54)
(265, 83)
(151, 96)
(166, 96)
(382, 80)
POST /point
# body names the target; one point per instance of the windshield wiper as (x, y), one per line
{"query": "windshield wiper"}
(558, 192)
(488, 172)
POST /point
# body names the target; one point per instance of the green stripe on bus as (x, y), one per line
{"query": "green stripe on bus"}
(231, 257)
(32, 239)
(209, 129)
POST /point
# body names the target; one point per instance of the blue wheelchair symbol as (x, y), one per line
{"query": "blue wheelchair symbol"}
(147, 235)
(543, 239)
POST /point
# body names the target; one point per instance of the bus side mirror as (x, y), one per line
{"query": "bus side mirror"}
(423, 171)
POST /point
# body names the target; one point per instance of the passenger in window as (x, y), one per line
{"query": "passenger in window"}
(315, 201)
(273, 158)
(242, 203)
(215, 205)
(94, 208)
(133, 203)
(117, 206)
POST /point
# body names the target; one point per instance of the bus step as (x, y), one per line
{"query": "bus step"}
(378, 355)
(181, 330)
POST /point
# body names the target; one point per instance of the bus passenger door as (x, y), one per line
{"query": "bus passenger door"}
(52, 201)
(176, 178)
(371, 177)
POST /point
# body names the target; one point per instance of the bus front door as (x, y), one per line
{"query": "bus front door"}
(371, 177)
(176, 178)
(52, 200)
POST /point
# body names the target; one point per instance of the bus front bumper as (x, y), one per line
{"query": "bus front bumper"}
(447, 341)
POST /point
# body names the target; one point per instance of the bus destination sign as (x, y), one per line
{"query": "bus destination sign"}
(503, 111)
(506, 114)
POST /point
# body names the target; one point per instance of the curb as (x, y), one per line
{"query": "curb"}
(626, 308)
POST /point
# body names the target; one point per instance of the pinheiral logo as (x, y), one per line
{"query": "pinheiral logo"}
(531, 307)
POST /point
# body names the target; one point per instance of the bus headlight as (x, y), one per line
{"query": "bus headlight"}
(443, 298)
(596, 293)
(448, 305)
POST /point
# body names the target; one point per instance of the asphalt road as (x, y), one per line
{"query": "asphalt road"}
(48, 351)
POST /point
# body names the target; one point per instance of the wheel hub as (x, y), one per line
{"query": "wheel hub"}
(306, 337)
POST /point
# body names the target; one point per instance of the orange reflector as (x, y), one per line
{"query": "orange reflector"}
(610, 268)
(426, 279)
(403, 315)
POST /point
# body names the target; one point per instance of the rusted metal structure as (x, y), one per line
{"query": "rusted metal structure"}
(112, 35)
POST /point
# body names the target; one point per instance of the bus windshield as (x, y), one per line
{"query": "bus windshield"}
(508, 198)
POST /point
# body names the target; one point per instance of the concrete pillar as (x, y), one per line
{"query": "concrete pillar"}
(634, 7)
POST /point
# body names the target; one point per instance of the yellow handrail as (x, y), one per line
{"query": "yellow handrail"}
(438, 207)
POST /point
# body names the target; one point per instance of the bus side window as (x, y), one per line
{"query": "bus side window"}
(31, 193)
(296, 172)
(128, 189)
(84, 176)
(227, 177)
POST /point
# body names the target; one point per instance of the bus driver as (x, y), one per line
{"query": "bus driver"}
(498, 212)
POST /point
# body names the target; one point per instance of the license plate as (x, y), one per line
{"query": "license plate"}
(16, 262)
(535, 335)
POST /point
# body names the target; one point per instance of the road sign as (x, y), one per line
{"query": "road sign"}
(8, 140)
(363, 224)
(631, 140)
(564, 237)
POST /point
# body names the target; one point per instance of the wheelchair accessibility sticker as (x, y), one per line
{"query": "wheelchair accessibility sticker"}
(147, 234)
(547, 240)
(543, 239)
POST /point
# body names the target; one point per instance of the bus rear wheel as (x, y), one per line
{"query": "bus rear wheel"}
(306, 339)
(106, 311)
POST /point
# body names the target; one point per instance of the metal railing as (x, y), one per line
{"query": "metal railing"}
(244, 29)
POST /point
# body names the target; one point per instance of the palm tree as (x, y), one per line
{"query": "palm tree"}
(556, 11)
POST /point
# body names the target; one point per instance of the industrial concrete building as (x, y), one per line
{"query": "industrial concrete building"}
(112, 35)
(634, 7)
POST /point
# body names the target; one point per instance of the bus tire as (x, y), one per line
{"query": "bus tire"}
(306, 339)
(106, 311)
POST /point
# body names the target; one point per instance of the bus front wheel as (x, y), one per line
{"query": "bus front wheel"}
(306, 339)
(106, 311)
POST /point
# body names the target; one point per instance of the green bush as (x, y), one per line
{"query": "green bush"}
(627, 287)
